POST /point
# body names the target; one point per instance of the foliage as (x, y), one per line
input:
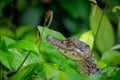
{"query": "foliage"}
(42, 61)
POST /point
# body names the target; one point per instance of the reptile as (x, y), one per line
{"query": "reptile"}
(78, 51)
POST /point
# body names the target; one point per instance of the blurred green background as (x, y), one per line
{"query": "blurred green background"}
(70, 17)
(18, 23)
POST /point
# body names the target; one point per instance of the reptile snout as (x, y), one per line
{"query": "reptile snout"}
(97, 70)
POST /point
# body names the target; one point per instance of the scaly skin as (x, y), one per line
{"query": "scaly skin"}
(78, 51)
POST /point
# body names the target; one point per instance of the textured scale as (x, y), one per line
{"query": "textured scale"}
(78, 51)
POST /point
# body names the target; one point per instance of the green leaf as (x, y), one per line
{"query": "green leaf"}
(110, 72)
(118, 31)
(53, 73)
(11, 58)
(96, 77)
(111, 57)
(101, 64)
(27, 72)
(4, 75)
(31, 36)
(18, 58)
(25, 44)
(5, 42)
(105, 37)
(96, 55)
(33, 58)
(87, 38)
(27, 33)
(6, 58)
(6, 32)
(117, 76)
(21, 31)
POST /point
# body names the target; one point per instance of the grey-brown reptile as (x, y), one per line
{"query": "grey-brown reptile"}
(78, 51)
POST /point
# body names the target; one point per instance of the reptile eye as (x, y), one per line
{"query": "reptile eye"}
(82, 49)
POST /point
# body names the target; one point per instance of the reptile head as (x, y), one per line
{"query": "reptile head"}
(77, 50)
(84, 50)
